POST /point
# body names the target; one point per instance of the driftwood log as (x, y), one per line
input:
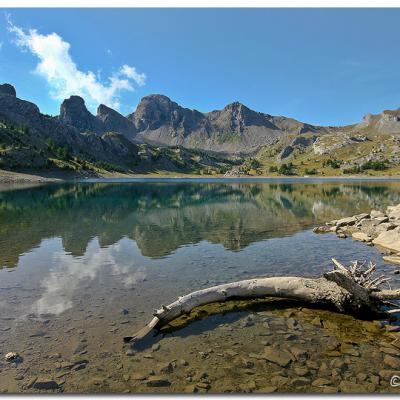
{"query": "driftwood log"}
(353, 289)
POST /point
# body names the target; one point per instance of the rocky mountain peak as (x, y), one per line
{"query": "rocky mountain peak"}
(6, 88)
(73, 112)
(103, 111)
(73, 108)
(113, 121)
(236, 105)
(388, 121)
(153, 111)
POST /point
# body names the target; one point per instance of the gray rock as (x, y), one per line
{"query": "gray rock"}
(79, 367)
(389, 240)
(386, 374)
(362, 216)
(299, 382)
(203, 385)
(138, 377)
(301, 371)
(319, 382)
(293, 323)
(299, 352)
(377, 214)
(31, 382)
(45, 384)
(349, 350)
(322, 229)
(156, 347)
(361, 236)
(348, 221)
(268, 389)
(385, 226)
(165, 368)
(361, 377)
(11, 356)
(280, 357)
(392, 362)
(352, 387)
(157, 381)
(279, 381)
(392, 260)
(381, 220)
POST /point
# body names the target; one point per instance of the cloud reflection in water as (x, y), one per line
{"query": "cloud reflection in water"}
(70, 272)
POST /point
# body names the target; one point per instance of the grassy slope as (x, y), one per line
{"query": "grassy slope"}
(21, 151)
(378, 146)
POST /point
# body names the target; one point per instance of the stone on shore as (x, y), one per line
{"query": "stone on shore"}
(362, 216)
(361, 236)
(346, 221)
(389, 240)
(377, 214)
(322, 229)
(393, 212)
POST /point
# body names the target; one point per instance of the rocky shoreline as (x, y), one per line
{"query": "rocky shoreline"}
(376, 228)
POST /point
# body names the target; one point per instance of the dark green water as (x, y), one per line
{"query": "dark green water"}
(74, 255)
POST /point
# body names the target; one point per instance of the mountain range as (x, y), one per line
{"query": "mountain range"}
(159, 129)
(158, 120)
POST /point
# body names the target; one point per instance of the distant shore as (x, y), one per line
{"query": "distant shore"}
(11, 177)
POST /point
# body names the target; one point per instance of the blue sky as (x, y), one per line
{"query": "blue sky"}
(322, 66)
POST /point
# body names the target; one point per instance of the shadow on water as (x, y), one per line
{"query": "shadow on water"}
(209, 317)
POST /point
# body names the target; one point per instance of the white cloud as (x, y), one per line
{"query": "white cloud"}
(63, 76)
(130, 72)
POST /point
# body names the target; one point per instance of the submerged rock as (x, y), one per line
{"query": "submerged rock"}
(319, 382)
(166, 367)
(45, 383)
(392, 260)
(268, 389)
(392, 362)
(157, 381)
(352, 387)
(11, 356)
(280, 357)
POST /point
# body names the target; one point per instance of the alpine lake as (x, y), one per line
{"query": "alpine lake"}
(84, 264)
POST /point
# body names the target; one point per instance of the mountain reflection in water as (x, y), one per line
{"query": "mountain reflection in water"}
(161, 217)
